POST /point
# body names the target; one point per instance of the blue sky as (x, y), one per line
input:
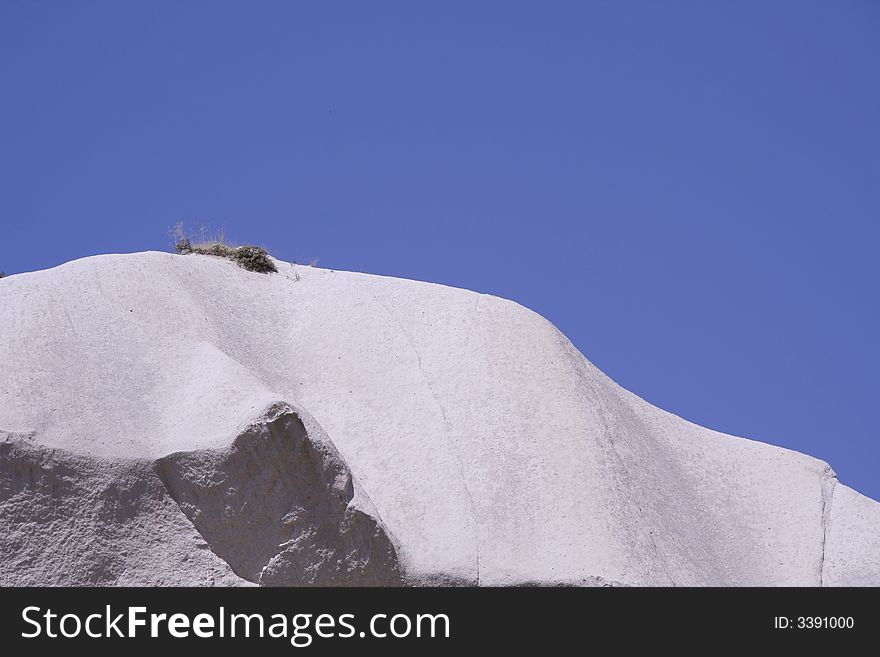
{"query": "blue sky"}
(689, 190)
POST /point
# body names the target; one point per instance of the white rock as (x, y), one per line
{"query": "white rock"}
(320, 427)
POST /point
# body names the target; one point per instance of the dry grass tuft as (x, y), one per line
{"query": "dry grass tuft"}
(248, 256)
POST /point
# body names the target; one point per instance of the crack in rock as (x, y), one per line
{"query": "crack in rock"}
(447, 426)
(828, 483)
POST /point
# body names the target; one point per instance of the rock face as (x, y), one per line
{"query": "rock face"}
(177, 420)
(276, 505)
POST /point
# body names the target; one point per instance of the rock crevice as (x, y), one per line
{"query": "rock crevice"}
(828, 483)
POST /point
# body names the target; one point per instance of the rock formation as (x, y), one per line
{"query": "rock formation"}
(177, 420)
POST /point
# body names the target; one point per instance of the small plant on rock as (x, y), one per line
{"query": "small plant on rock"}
(254, 258)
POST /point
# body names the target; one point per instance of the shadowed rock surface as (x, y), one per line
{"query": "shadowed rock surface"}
(178, 420)
(275, 507)
(68, 519)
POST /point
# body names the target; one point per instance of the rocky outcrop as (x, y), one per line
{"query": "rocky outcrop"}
(276, 507)
(179, 420)
(67, 519)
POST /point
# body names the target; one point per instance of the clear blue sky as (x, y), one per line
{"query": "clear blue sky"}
(689, 190)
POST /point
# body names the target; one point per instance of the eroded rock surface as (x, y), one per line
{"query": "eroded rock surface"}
(415, 434)
(276, 506)
(67, 519)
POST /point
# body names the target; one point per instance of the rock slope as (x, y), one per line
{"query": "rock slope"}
(178, 420)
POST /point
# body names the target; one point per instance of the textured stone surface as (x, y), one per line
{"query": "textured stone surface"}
(274, 505)
(67, 519)
(178, 420)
